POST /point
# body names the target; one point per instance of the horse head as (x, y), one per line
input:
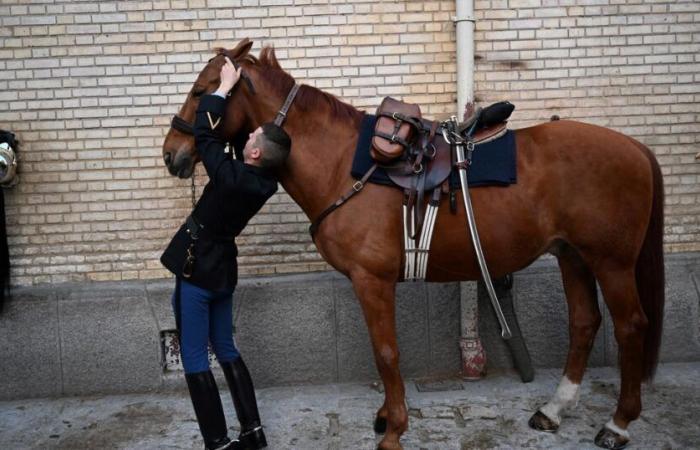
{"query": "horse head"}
(179, 152)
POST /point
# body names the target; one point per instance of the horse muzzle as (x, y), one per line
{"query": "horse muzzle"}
(180, 165)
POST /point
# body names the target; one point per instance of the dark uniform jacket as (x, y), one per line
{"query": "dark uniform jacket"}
(235, 193)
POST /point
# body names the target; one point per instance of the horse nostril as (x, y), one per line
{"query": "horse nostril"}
(167, 158)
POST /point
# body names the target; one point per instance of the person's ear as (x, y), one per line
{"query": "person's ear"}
(255, 153)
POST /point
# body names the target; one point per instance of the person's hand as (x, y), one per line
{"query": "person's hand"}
(229, 77)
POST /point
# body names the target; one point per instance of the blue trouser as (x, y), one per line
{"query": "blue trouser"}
(204, 316)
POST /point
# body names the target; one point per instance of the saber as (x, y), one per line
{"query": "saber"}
(461, 159)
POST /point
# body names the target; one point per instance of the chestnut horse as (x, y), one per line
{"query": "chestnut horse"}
(590, 196)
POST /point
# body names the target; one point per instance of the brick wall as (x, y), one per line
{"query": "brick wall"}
(632, 65)
(90, 87)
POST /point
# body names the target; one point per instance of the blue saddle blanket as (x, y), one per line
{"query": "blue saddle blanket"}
(493, 163)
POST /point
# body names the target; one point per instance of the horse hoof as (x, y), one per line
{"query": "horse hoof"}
(540, 422)
(607, 438)
(380, 425)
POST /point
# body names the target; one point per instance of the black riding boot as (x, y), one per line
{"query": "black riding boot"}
(207, 408)
(241, 386)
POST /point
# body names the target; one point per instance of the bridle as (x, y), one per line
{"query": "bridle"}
(183, 126)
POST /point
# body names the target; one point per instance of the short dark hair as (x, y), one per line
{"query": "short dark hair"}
(275, 144)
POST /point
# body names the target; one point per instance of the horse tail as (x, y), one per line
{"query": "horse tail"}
(650, 271)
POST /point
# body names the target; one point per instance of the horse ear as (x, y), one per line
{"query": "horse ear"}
(241, 49)
(268, 57)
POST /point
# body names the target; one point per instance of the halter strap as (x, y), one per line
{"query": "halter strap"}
(182, 125)
(282, 113)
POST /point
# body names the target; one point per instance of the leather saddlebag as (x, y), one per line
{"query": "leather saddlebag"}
(396, 123)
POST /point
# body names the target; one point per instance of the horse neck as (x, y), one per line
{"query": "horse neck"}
(318, 169)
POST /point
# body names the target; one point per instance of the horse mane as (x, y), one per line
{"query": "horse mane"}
(308, 98)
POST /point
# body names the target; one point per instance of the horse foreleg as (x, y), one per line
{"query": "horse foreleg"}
(584, 321)
(377, 298)
(620, 293)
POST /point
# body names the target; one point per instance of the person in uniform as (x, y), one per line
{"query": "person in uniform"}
(202, 255)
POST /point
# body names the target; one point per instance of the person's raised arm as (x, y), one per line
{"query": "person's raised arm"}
(209, 117)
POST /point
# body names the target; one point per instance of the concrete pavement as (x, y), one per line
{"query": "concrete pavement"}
(444, 414)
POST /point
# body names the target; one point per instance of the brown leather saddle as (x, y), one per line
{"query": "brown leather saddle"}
(415, 155)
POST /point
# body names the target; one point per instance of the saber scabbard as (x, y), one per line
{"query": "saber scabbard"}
(458, 143)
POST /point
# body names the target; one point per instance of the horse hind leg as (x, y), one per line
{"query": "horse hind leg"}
(622, 298)
(584, 321)
(377, 298)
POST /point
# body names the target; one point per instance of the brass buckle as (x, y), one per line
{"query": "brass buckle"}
(357, 187)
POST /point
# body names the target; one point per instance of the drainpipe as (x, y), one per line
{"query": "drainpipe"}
(464, 24)
(473, 356)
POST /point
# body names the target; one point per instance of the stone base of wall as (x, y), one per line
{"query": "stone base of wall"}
(78, 339)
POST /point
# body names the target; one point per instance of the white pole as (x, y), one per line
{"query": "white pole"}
(464, 24)
(473, 355)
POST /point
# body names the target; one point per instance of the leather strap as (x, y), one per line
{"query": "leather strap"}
(392, 138)
(462, 165)
(357, 187)
(181, 125)
(282, 113)
(399, 117)
(420, 211)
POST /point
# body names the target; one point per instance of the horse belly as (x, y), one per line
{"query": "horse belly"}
(577, 183)
(510, 233)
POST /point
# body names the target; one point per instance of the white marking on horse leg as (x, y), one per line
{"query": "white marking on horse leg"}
(387, 355)
(612, 427)
(565, 396)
